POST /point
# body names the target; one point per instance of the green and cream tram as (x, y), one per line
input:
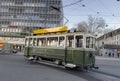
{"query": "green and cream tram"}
(72, 50)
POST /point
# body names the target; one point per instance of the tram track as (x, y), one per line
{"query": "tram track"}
(75, 72)
(90, 75)
(79, 73)
(105, 73)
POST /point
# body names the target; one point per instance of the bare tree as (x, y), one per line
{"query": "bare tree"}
(82, 26)
(93, 25)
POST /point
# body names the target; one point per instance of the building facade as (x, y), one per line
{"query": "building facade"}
(19, 17)
(109, 44)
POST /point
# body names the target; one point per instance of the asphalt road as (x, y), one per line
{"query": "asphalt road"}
(17, 68)
(109, 65)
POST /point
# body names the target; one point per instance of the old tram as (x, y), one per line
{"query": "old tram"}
(71, 50)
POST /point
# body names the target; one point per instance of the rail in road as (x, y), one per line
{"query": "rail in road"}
(105, 73)
(83, 76)
(74, 72)
(89, 75)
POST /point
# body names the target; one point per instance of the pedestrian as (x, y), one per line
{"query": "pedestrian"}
(112, 54)
(101, 54)
(106, 54)
(109, 54)
(118, 55)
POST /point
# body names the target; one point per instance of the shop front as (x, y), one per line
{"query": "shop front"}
(17, 45)
(110, 51)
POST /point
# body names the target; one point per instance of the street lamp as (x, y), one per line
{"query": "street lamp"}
(58, 9)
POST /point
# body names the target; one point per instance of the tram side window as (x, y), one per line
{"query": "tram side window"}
(34, 42)
(31, 41)
(52, 41)
(79, 41)
(71, 41)
(41, 42)
(26, 42)
(62, 41)
(37, 41)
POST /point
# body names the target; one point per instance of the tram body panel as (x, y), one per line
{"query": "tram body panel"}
(55, 53)
(46, 52)
(75, 56)
(89, 58)
(79, 57)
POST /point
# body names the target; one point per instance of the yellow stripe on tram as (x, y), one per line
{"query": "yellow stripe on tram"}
(51, 30)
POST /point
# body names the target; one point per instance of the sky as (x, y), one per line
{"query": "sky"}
(109, 10)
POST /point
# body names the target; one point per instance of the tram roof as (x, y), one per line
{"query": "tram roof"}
(50, 30)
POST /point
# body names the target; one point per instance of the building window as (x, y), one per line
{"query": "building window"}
(18, 2)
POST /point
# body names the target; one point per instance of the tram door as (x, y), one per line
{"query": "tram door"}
(89, 54)
(27, 46)
(70, 48)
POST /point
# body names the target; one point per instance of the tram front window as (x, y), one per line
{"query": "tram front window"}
(62, 41)
(26, 42)
(31, 41)
(90, 42)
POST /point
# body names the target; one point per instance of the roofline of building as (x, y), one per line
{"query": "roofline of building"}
(110, 34)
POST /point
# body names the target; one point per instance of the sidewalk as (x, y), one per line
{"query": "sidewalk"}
(107, 58)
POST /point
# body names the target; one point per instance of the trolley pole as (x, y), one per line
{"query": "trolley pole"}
(58, 9)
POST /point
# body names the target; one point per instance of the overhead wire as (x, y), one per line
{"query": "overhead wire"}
(76, 3)
(99, 12)
(72, 3)
(113, 15)
(96, 12)
(91, 10)
(68, 5)
(105, 7)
